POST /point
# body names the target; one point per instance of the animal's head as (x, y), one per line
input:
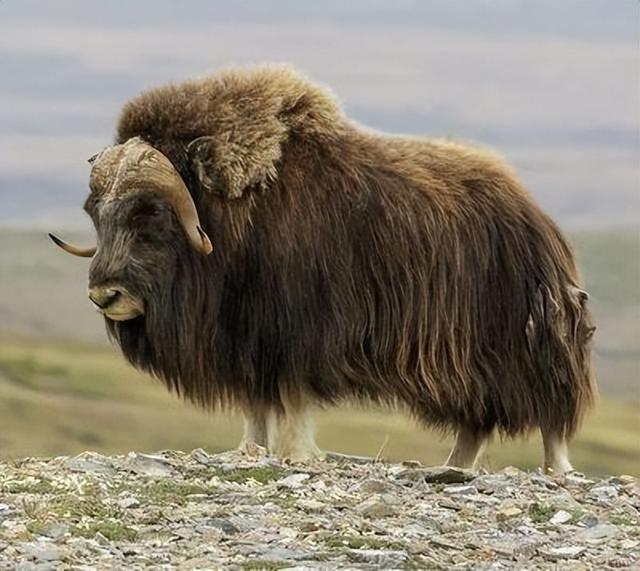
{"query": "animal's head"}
(144, 218)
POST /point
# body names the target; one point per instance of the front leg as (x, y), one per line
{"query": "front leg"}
(255, 430)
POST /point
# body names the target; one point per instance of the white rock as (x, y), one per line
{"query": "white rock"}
(569, 552)
(90, 462)
(293, 481)
(128, 502)
(460, 490)
(599, 532)
(150, 465)
(384, 559)
(560, 517)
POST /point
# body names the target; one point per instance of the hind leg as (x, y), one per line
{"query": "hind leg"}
(468, 447)
(291, 432)
(556, 454)
(291, 437)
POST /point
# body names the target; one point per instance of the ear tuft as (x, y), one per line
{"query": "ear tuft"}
(201, 157)
(229, 165)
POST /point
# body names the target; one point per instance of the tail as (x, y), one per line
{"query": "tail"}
(559, 332)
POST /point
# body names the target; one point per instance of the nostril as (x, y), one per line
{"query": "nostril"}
(103, 297)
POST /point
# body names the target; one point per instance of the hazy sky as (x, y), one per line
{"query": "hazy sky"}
(551, 84)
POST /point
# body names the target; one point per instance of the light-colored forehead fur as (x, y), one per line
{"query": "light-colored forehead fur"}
(248, 113)
(115, 168)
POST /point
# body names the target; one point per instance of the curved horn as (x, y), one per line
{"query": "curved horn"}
(137, 164)
(82, 251)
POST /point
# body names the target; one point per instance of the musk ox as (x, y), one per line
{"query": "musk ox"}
(257, 249)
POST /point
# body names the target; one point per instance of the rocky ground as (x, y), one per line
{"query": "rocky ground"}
(198, 511)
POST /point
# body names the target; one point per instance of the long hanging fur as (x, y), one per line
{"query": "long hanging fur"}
(353, 265)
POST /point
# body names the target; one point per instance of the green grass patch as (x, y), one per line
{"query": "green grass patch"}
(264, 565)
(540, 512)
(112, 530)
(165, 492)
(261, 474)
(624, 519)
(30, 485)
(361, 542)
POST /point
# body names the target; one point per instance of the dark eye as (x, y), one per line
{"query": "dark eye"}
(148, 211)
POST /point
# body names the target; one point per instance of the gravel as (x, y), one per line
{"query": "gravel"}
(200, 511)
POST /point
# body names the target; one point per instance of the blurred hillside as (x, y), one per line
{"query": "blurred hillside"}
(64, 390)
(552, 85)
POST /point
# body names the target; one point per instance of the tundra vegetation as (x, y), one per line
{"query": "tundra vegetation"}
(197, 510)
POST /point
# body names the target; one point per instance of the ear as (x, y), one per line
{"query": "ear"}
(230, 165)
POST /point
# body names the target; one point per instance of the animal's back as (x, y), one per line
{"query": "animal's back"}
(471, 309)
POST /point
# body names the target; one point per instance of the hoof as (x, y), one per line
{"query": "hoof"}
(252, 450)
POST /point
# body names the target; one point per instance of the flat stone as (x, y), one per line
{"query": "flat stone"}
(513, 472)
(492, 483)
(128, 502)
(576, 479)
(42, 552)
(222, 524)
(55, 530)
(589, 520)
(90, 462)
(184, 532)
(293, 481)
(604, 494)
(378, 506)
(311, 505)
(150, 465)
(442, 541)
(416, 530)
(508, 512)
(560, 517)
(599, 532)
(460, 490)
(373, 487)
(284, 554)
(562, 500)
(569, 552)
(629, 544)
(202, 457)
(544, 481)
(382, 558)
(438, 475)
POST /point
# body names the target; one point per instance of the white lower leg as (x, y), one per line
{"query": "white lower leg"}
(467, 449)
(291, 435)
(255, 430)
(556, 453)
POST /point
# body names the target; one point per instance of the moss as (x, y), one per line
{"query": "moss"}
(541, 512)
(361, 542)
(261, 474)
(29, 485)
(576, 516)
(264, 565)
(112, 530)
(623, 519)
(168, 492)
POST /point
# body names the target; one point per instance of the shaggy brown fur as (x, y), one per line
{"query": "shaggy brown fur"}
(347, 264)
